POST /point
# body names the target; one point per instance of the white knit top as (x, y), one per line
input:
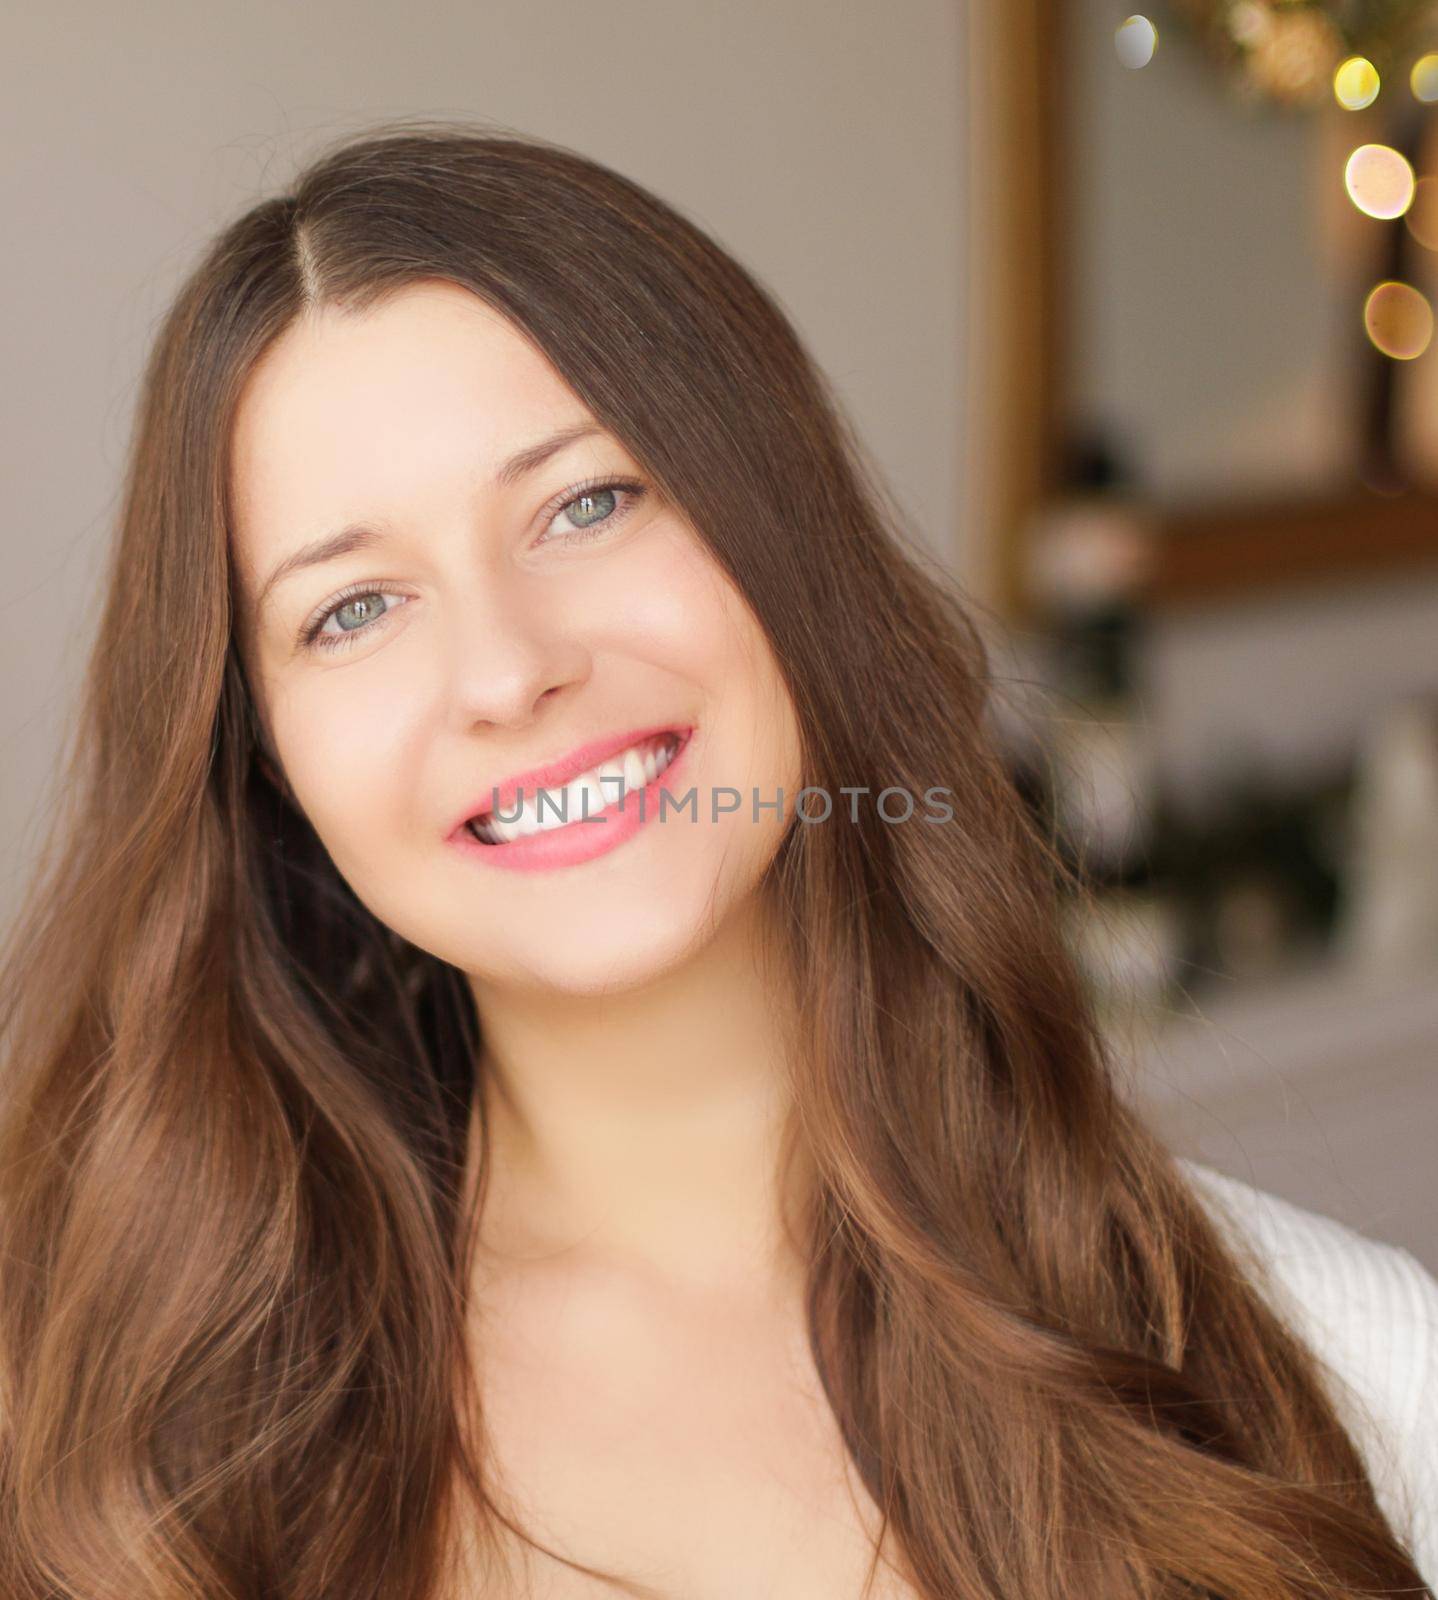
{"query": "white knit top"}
(1369, 1311)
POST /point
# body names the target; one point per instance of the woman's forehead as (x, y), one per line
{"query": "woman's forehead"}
(354, 412)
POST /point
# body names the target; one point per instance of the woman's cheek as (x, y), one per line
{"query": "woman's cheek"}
(666, 603)
(351, 742)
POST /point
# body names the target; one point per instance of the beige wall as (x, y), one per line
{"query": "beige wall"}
(820, 140)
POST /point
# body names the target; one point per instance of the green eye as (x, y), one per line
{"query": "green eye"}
(596, 498)
(314, 636)
(592, 508)
(596, 506)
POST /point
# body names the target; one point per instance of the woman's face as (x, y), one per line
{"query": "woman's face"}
(487, 624)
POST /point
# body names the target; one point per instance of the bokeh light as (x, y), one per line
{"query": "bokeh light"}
(1421, 218)
(1135, 41)
(1424, 77)
(1250, 23)
(1379, 180)
(1356, 83)
(1399, 320)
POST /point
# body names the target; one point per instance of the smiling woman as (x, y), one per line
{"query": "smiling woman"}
(404, 1176)
(537, 599)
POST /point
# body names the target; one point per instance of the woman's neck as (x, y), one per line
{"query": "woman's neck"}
(640, 1134)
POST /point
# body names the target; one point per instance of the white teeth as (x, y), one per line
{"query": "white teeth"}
(666, 753)
(596, 801)
(584, 796)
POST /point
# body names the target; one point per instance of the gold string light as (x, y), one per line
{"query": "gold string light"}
(1356, 83)
(1380, 181)
(1399, 320)
(1135, 41)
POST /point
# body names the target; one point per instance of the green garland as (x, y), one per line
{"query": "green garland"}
(1285, 52)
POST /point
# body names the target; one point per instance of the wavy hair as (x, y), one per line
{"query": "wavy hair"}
(233, 1218)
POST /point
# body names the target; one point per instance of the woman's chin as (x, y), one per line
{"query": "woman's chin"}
(625, 951)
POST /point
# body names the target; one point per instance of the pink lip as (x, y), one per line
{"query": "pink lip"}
(586, 836)
(555, 774)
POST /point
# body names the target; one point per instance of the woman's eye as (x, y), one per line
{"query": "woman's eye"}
(594, 510)
(597, 507)
(359, 607)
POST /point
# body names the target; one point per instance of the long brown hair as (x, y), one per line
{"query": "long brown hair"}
(232, 1156)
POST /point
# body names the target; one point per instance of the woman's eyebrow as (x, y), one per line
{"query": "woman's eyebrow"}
(535, 455)
(360, 536)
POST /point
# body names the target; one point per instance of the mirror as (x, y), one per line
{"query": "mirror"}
(1181, 278)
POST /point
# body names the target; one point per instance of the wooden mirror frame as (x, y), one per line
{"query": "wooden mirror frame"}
(1017, 360)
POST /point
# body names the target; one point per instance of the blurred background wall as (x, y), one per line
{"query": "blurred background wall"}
(1202, 276)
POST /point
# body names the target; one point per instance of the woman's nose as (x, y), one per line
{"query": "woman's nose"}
(508, 646)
